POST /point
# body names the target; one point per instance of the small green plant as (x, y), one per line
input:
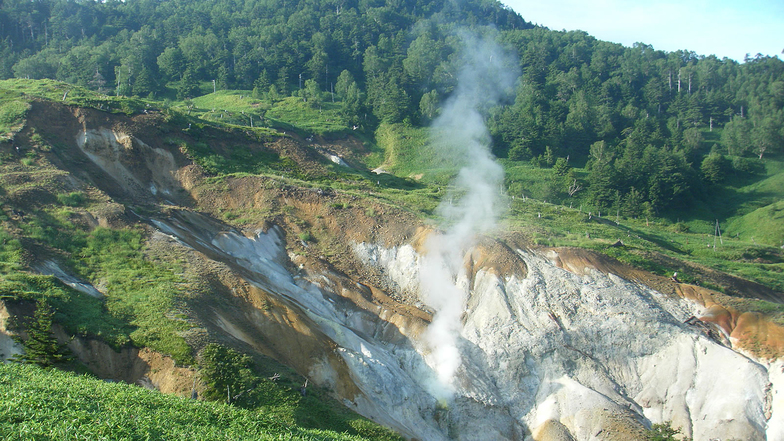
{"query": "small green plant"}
(664, 432)
(305, 236)
(680, 227)
(12, 115)
(73, 199)
(37, 140)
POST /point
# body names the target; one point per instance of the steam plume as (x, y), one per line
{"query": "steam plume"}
(460, 131)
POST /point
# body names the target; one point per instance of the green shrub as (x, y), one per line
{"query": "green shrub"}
(748, 165)
(73, 199)
(664, 432)
(225, 372)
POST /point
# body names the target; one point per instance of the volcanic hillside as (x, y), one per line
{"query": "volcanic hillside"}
(307, 263)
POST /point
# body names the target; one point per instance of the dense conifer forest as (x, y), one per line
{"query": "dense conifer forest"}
(654, 130)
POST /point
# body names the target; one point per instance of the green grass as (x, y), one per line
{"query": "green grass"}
(764, 225)
(73, 95)
(140, 293)
(138, 290)
(79, 313)
(240, 159)
(294, 113)
(49, 404)
(557, 225)
(758, 205)
(13, 109)
(409, 153)
(234, 107)
(525, 180)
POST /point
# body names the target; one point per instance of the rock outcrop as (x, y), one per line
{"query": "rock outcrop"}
(554, 345)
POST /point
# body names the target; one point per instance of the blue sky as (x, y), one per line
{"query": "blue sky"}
(725, 28)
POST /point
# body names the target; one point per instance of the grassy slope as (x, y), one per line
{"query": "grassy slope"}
(50, 404)
(748, 206)
(237, 107)
(760, 203)
(414, 186)
(144, 294)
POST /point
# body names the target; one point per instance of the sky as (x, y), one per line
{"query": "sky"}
(725, 28)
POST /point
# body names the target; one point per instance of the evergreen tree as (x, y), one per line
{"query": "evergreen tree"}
(226, 372)
(41, 347)
(549, 157)
(714, 168)
(311, 93)
(351, 105)
(144, 83)
(261, 85)
(561, 167)
(188, 85)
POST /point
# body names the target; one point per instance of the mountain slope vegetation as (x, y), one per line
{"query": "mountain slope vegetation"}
(312, 117)
(655, 132)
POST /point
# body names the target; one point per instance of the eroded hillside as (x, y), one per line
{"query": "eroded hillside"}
(555, 343)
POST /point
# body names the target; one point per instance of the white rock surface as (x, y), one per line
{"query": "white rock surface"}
(560, 346)
(554, 348)
(51, 268)
(111, 150)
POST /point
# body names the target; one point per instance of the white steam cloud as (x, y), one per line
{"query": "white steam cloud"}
(473, 206)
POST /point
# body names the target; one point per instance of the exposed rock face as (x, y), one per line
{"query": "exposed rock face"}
(139, 169)
(8, 347)
(560, 347)
(554, 345)
(546, 352)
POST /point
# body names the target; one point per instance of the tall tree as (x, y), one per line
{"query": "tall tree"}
(41, 347)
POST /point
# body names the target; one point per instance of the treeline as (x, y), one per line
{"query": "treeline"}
(655, 128)
(646, 122)
(391, 50)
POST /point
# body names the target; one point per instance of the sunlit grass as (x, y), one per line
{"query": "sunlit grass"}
(50, 404)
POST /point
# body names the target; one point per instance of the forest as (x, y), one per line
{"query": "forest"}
(652, 129)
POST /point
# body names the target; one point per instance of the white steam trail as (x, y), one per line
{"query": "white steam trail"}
(486, 75)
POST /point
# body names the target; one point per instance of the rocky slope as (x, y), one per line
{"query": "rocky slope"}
(556, 344)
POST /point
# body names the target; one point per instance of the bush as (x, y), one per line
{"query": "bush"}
(664, 432)
(748, 165)
(226, 373)
(714, 168)
(680, 227)
(73, 199)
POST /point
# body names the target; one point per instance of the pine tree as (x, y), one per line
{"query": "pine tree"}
(41, 347)
(189, 87)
